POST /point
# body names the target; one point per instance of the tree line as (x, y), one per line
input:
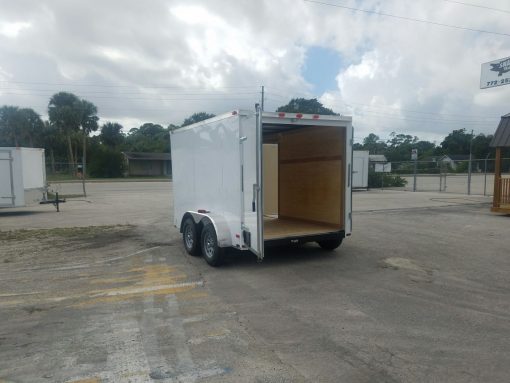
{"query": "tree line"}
(67, 136)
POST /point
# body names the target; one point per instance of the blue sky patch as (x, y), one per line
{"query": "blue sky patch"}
(321, 67)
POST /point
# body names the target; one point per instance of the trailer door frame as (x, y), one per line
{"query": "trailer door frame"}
(252, 221)
(7, 160)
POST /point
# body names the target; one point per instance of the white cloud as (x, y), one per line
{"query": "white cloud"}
(161, 61)
(13, 29)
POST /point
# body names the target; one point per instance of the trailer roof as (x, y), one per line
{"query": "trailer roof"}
(278, 119)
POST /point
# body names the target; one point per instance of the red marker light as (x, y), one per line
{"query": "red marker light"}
(299, 115)
(316, 116)
(202, 211)
(234, 112)
(281, 114)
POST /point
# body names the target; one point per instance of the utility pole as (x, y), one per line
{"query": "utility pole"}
(470, 161)
(262, 99)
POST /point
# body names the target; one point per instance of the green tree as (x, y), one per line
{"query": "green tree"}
(52, 141)
(457, 142)
(148, 138)
(481, 146)
(19, 127)
(303, 105)
(88, 123)
(111, 134)
(31, 125)
(196, 117)
(373, 144)
(10, 125)
(65, 113)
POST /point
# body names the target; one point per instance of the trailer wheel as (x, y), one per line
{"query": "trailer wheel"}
(190, 237)
(330, 244)
(212, 253)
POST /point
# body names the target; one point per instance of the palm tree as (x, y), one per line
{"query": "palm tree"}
(88, 123)
(31, 124)
(64, 112)
(10, 123)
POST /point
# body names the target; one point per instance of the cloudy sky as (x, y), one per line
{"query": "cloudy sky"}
(160, 61)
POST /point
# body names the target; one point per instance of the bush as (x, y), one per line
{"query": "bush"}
(106, 163)
(375, 180)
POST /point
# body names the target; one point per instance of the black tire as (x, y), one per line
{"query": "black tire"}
(330, 244)
(190, 237)
(212, 253)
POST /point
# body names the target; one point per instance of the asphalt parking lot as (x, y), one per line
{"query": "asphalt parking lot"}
(104, 292)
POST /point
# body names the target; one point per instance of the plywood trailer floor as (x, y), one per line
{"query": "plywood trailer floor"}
(275, 228)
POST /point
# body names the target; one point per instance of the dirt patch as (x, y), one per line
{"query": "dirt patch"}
(67, 232)
(34, 246)
(398, 263)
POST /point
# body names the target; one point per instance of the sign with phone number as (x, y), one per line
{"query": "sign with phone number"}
(495, 73)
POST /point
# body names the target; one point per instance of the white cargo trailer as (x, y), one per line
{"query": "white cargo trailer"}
(248, 179)
(22, 176)
(360, 159)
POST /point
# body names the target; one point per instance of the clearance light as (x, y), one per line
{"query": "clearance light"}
(234, 112)
(316, 116)
(299, 115)
(281, 114)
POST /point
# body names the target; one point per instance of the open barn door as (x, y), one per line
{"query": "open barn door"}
(251, 171)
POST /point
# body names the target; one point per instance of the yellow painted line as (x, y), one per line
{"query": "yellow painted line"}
(114, 293)
(87, 380)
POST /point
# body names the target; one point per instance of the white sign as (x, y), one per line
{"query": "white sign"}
(495, 73)
(414, 154)
(383, 168)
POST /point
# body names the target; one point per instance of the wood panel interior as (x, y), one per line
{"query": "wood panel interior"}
(310, 181)
(270, 152)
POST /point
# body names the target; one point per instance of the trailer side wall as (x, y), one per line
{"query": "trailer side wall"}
(206, 170)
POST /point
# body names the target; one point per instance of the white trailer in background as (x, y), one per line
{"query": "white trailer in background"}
(250, 179)
(22, 176)
(360, 159)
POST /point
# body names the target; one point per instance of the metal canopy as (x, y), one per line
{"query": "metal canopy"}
(502, 136)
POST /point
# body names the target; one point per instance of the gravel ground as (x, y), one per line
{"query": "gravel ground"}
(103, 292)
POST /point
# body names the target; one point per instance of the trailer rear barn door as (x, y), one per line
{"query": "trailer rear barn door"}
(251, 170)
(6, 179)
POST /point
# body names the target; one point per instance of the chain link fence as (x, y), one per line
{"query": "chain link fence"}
(65, 179)
(451, 176)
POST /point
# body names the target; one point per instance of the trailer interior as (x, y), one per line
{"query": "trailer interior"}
(304, 178)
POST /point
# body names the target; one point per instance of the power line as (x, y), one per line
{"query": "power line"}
(138, 98)
(478, 6)
(407, 18)
(93, 92)
(124, 86)
(415, 119)
(421, 112)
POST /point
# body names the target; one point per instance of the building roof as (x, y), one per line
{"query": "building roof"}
(455, 157)
(377, 158)
(502, 136)
(148, 156)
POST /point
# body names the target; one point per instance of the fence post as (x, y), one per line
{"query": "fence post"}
(415, 170)
(469, 174)
(485, 177)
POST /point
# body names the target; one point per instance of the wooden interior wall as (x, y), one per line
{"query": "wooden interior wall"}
(270, 153)
(311, 174)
